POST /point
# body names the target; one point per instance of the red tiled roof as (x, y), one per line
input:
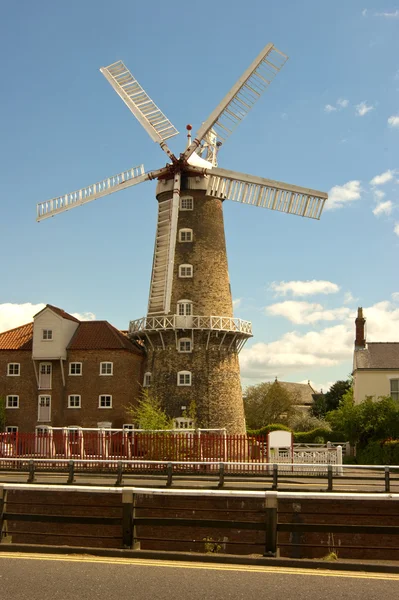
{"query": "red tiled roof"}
(100, 335)
(19, 338)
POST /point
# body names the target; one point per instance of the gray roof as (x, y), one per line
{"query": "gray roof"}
(377, 355)
(302, 391)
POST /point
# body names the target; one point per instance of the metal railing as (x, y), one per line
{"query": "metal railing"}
(212, 323)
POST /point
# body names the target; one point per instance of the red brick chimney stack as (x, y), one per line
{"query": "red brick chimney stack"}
(360, 340)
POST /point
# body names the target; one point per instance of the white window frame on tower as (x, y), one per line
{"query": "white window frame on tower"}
(185, 271)
(12, 401)
(47, 335)
(13, 369)
(185, 235)
(74, 401)
(147, 380)
(103, 400)
(185, 345)
(184, 308)
(73, 366)
(184, 378)
(186, 203)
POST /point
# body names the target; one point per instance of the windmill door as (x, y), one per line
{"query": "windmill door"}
(45, 371)
(44, 409)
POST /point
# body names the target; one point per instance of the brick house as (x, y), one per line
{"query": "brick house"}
(60, 371)
(375, 365)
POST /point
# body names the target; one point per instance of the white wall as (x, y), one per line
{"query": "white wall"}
(372, 383)
(63, 330)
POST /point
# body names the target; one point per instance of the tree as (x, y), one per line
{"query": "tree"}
(148, 414)
(268, 403)
(335, 394)
(346, 418)
(319, 406)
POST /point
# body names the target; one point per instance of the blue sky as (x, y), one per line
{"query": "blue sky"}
(330, 121)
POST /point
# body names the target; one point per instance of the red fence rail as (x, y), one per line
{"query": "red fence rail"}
(96, 446)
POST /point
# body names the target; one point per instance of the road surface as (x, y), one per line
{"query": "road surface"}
(51, 577)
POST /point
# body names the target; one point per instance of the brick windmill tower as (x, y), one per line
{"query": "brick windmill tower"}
(190, 334)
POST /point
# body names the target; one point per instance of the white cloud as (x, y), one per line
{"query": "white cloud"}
(329, 108)
(395, 296)
(14, 315)
(396, 229)
(295, 352)
(363, 108)
(379, 194)
(383, 178)
(302, 313)
(349, 298)
(383, 208)
(304, 288)
(342, 194)
(393, 121)
(388, 15)
(237, 302)
(342, 102)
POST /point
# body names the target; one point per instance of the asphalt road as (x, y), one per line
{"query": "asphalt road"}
(49, 577)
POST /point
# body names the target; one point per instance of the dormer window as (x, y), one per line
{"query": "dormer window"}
(47, 335)
(185, 271)
(185, 235)
(186, 203)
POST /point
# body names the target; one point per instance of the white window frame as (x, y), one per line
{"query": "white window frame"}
(8, 398)
(12, 365)
(11, 429)
(184, 340)
(147, 380)
(47, 335)
(38, 406)
(74, 396)
(75, 374)
(394, 393)
(183, 233)
(107, 362)
(183, 304)
(105, 396)
(186, 271)
(186, 203)
(184, 378)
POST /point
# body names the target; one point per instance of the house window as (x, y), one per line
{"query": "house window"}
(47, 334)
(11, 429)
(185, 345)
(184, 308)
(13, 369)
(75, 368)
(12, 402)
(395, 389)
(74, 401)
(147, 379)
(185, 235)
(185, 270)
(105, 401)
(183, 378)
(106, 368)
(186, 203)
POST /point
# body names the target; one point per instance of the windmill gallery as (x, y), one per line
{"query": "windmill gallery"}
(190, 335)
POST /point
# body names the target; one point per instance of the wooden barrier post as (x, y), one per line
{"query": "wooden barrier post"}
(119, 477)
(31, 473)
(271, 504)
(329, 478)
(3, 493)
(169, 470)
(387, 481)
(71, 472)
(221, 475)
(275, 477)
(129, 533)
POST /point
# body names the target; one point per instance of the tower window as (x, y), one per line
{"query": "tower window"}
(184, 308)
(185, 345)
(184, 378)
(186, 203)
(147, 379)
(185, 271)
(185, 235)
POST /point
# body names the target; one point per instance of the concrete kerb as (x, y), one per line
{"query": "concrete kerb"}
(230, 559)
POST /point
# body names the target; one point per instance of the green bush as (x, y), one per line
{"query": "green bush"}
(384, 452)
(318, 435)
(267, 428)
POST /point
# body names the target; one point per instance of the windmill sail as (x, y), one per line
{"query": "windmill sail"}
(266, 193)
(164, 253)
(241, 98)
(156, 124)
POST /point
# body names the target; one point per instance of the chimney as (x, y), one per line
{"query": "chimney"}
(360, 340)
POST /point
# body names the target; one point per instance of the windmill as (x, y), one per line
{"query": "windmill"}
(191, 336)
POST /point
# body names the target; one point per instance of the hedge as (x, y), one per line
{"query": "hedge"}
(383, 452)
(320, 434)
